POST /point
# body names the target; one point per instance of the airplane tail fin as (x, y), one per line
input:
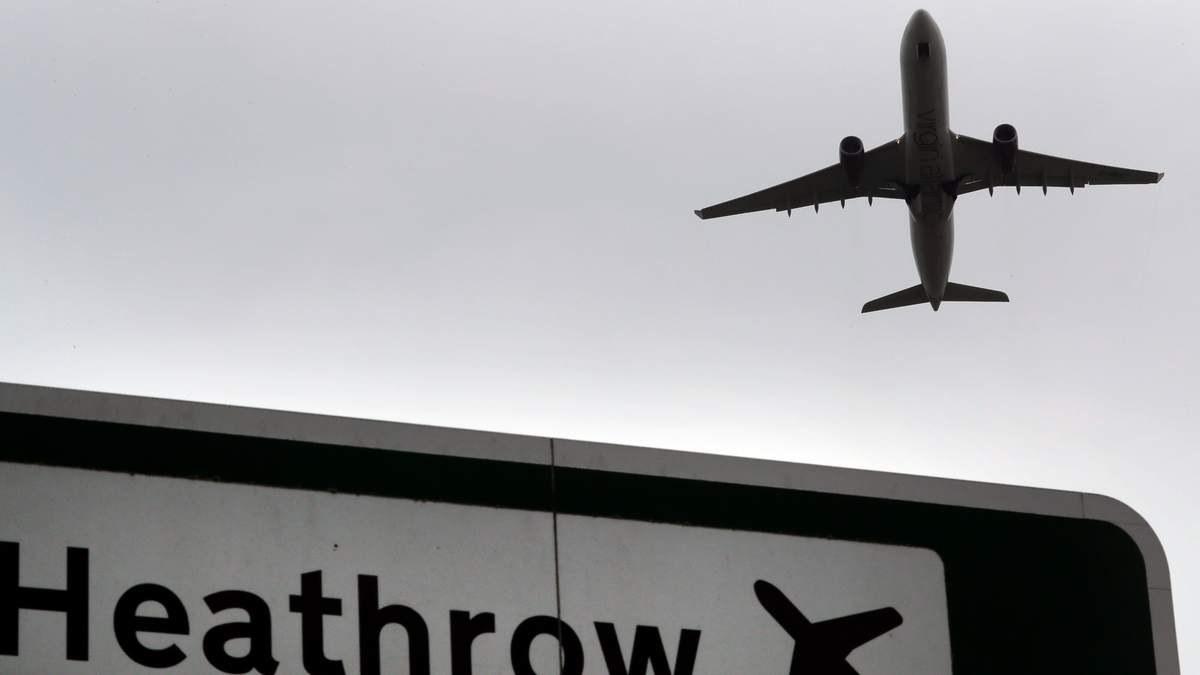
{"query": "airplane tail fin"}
(909, 296)
(917, 296)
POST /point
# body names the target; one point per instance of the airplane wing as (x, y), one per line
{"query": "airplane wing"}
(975, 161)
(780, 608)
(843, 634)
(882, 176)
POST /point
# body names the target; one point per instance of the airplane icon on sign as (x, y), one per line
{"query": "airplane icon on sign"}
(822, 647)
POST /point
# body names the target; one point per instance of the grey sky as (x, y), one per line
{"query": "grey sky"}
(480, 215)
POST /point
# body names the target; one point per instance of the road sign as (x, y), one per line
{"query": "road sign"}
(145, 535)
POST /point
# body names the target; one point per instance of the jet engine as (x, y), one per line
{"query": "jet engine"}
(850, 154)
(1004, 142)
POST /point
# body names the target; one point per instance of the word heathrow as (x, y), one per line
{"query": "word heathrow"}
(129, 624)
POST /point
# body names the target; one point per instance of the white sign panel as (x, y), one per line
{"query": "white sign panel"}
(632, 573)
(118, 573)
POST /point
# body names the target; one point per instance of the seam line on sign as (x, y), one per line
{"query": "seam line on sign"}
(554, 526)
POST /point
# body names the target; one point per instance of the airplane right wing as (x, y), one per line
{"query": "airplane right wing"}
(843, 634)
(976, 163)
(882, 176)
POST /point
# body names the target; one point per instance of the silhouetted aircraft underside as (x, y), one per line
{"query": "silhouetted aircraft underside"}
(929, 167)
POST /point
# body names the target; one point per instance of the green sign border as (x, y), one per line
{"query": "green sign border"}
(1027, 593)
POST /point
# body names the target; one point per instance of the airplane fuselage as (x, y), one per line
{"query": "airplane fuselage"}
(929, 159)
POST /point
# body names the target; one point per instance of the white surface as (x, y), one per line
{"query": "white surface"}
(198, 538)
(689, 577)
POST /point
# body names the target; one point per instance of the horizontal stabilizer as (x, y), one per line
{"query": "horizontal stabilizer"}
(909, 296)
(963, 293)
(916, 296)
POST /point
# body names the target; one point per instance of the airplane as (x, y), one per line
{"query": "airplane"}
(821, 648)
(929, 167)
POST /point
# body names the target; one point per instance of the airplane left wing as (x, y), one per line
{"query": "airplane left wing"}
(977, 166)
(882, 176)
(780, 608)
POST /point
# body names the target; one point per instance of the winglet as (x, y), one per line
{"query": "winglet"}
(1160, 177)
(699, 213)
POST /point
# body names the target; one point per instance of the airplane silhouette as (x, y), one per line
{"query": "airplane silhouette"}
(822, 648)
(929, 167)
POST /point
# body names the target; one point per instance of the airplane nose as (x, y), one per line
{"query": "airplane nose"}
(920, 18)
(936, 303)
(921, 26)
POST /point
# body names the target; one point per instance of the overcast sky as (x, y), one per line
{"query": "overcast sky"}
(479, 215)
